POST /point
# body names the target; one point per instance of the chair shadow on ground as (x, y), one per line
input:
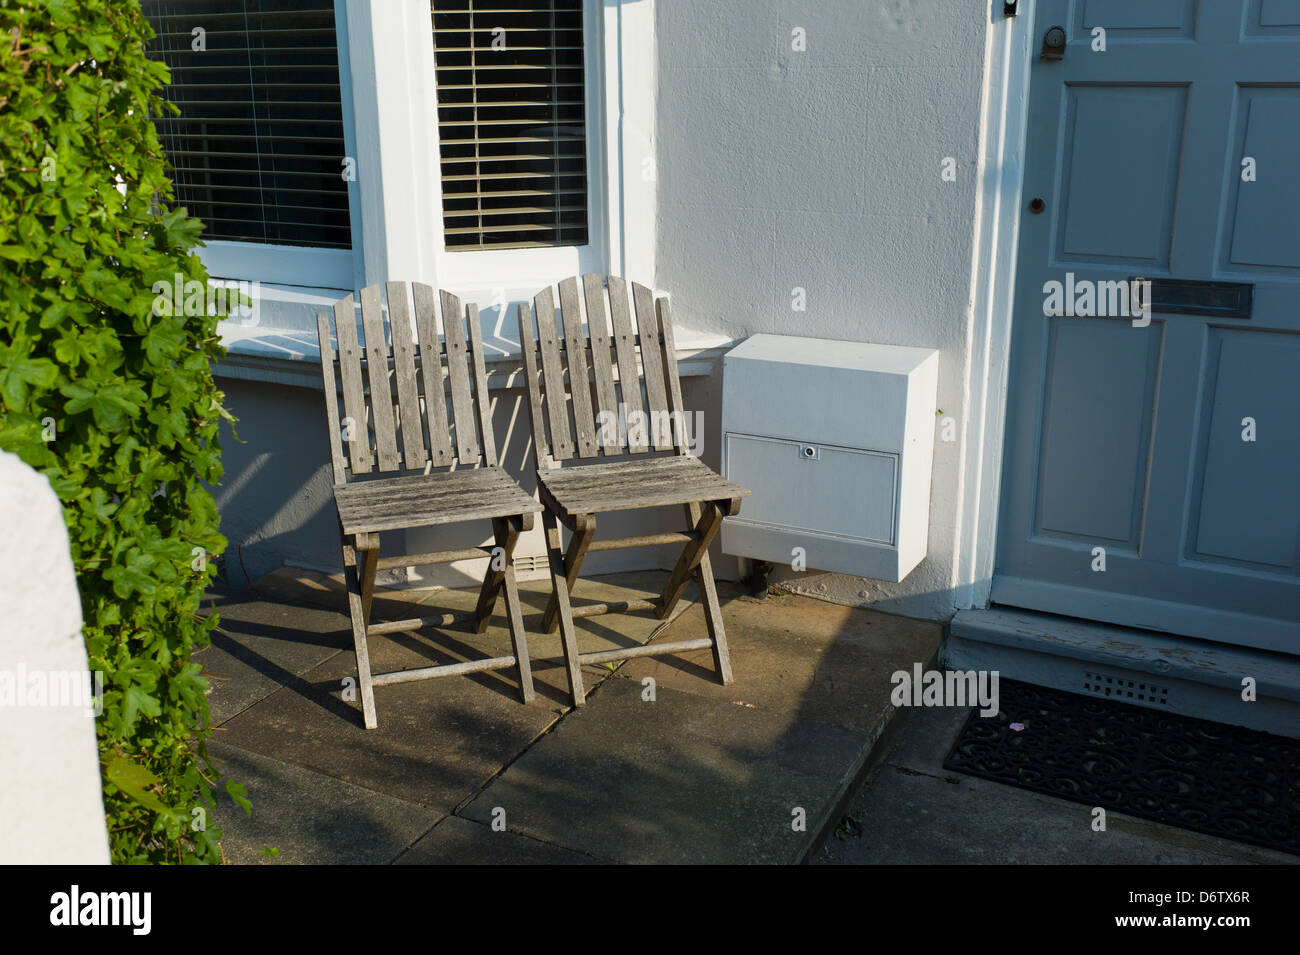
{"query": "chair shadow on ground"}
(431, 646)
(711, 776)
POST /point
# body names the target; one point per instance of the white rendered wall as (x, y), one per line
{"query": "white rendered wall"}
(821, 170)
(776, 169)
(51, 808)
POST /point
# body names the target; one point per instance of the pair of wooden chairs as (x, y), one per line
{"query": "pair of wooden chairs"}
(609, 434)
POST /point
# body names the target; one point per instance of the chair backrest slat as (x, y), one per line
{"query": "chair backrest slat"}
(549, 342)
(381, 393)
(330, 384)
(482, 399)
(528, 345)
(645, 358)
(678, 409)
(629, 382)
(354, 423)
(652, 363)
(593, 287)
(408, 391)
(462, 404)
(575, 358)
(367, 436)
(435, 400)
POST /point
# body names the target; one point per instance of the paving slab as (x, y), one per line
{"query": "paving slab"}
(798, 656)
(914, 812)
(457, 841)
(310, 817)
(260, 646)
(438, 740)
(697, 773)
(678, 779)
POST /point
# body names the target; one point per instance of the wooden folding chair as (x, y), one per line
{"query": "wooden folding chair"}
(454, 478)
(634, 373)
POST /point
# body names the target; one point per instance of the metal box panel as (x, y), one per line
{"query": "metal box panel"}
(788, 479)
(835, 440)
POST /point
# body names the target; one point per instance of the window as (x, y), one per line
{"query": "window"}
(258, 146)
(511, 123)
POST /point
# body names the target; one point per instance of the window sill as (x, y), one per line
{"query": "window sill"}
(281, 349)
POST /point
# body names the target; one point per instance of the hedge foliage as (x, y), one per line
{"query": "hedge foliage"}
(111, 398)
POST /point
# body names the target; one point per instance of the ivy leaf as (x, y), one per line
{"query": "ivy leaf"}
(163, 342)
(136, 701)
(137, 782)
(18, 372)
(133, 576)
(111, 404)
(239, 795)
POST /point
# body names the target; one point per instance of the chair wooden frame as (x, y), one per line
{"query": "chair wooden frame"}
(587, 375)
(455, 478)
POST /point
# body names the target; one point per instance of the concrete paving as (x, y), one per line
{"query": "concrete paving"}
(662, 765)
(912, 811)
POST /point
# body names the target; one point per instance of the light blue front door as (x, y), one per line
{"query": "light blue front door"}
(1152, 471)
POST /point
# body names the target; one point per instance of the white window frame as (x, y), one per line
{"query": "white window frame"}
(394, 105)
(295, 264)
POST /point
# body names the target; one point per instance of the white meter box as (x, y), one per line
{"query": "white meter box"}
(836, 440)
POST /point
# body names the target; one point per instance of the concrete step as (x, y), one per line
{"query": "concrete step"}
(1145, 668)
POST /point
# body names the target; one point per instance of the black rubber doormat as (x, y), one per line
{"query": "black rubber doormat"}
(1220, 780)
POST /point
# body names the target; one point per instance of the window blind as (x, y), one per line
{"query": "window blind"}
(257, 148)
(511, 122)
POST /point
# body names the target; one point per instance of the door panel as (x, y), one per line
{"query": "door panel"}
(1263, 222)
(1129, 437)
(1249, 505)
(1129, 20)
(1096, 430)
(1119, 203)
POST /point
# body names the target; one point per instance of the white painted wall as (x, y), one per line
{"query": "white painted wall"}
(51, 806)
(774, 169)
(822, 170)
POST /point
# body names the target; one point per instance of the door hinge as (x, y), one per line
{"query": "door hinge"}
(1010, 8)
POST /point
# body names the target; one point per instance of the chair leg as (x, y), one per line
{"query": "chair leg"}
(706, 525)
(493, 579)
(701, 566)
(584, 528)
(357, 567)
(560, 591)
(507, 532)
(713, 619)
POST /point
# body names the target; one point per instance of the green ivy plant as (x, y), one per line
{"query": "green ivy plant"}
(112, 397)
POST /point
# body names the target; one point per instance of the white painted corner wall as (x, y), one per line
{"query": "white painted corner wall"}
(53, 812)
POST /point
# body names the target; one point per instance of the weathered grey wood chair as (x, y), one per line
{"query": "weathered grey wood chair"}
(636, 384)
(453, 478)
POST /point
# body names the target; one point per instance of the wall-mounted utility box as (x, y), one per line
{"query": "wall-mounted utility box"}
(835, 439)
